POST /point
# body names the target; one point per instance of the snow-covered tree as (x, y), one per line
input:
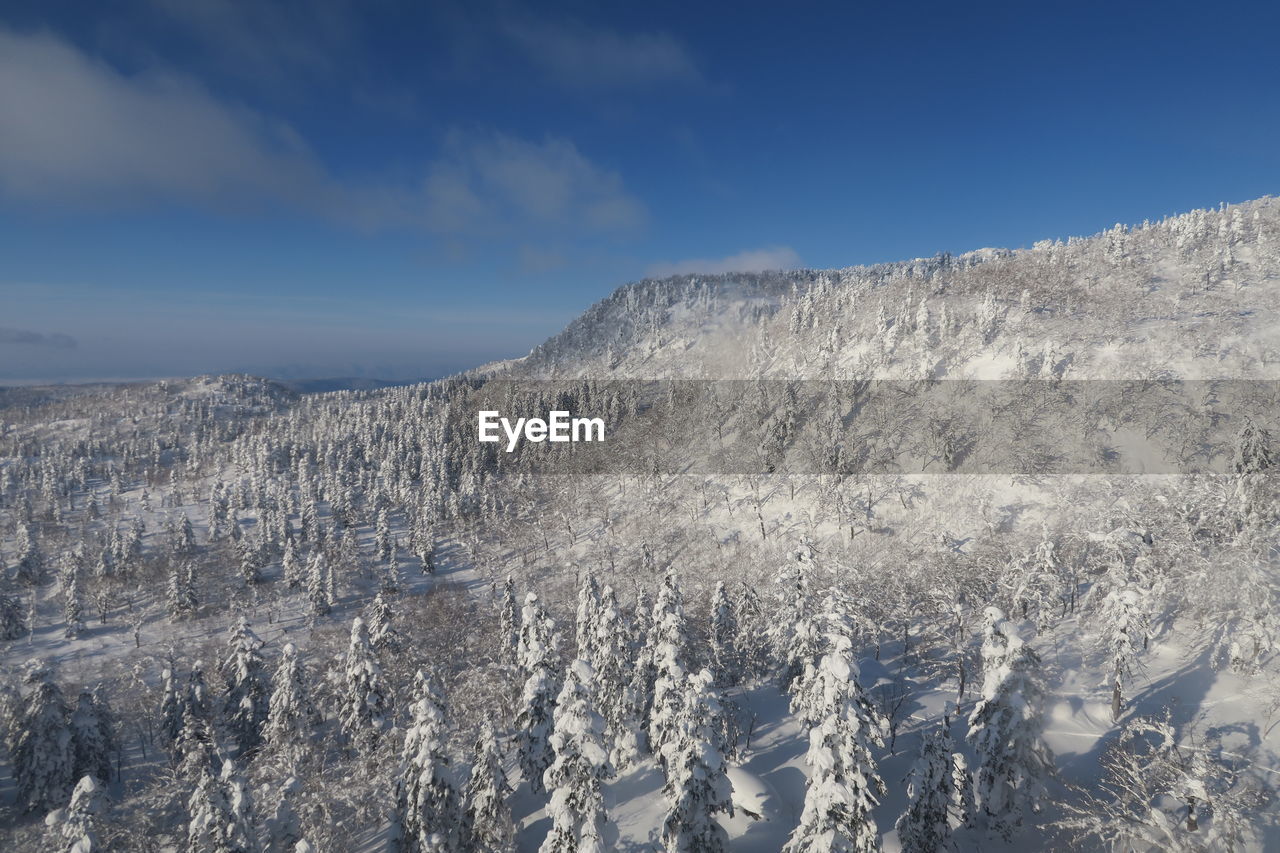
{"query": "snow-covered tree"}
(172, 706)
(320, 584)
(576, 776)
(697, 789)
(1163, 790)
(366, 706)
(1006, 729)
(487, 826)
(42, 750)
(382, 632)
(843, 783)
(13, 617)
(77, 823)
(30, 558)
(291, 715)
(248, 695)
(539, 657)
(1124, 636)
(588, 614)
(724, 637)
(93, 739)
(181, 592)
(72, 610)
(221, 811)
(510, 618)
(291, 565)
(426, 800)
(668, 643)
(615, 691)
(939, 794)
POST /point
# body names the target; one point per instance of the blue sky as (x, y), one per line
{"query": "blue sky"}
(403, 190)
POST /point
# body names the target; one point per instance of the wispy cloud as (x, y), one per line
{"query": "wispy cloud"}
(489, 182)
(74, 129)
(584, 57)
(751, 260)
(38, 339)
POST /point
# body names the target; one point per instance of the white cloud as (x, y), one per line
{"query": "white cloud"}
(751, 260)
(492, 182)
(75, 129)
(591, 58)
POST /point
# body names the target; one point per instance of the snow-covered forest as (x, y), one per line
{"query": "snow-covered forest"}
(234, 617)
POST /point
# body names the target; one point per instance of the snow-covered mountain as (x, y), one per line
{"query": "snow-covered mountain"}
(256, 619)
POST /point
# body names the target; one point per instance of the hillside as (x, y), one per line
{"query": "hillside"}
(1012, 512)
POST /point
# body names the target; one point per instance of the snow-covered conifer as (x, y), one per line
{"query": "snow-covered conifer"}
(291, 565)
(697, 787)
(844, 783)
(42, 749)
(319, 584)
(939, 794)
(366, 707)
(382, 631)
(291, 715)
(576, 776)
(510, 618)
(1006, 729)
(587, 615)
(248, 694)
(539, 657)
(72, 609)
(181, 592)
(221, 814)
(78, 821)
(487, 825)
(93, 738)
(426, 800)
(668, 642)
(724, 637)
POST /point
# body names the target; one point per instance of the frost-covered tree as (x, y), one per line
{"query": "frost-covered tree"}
(510, 618)
(724, 637)
(13, 617)
(382, 632)
(1006, 729)
(93, 739)
(221, 811)
(72, 609)
(291, 715)
(248, 695)
(320, 584)
(588, 614)
(939, 794)
(1124, 636)
(181, 592)
(291, 565)
(487, 826)
(172, 706)
(843, 783)
(426, 800)
(697, 789)
(1161, 790)
(77, 823)
(615, 689)
(30, 558)
(539, 657)
(42, 751)
(668, 644)
(366, 706)
(576, 776)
